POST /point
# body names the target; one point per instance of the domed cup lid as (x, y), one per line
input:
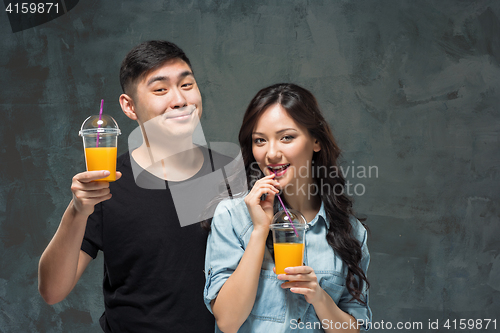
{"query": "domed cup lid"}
(282, 217)
(93, 125)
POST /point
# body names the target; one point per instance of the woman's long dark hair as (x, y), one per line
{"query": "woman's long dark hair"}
(302, 106)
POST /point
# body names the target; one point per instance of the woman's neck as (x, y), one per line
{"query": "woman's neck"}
(308, 206)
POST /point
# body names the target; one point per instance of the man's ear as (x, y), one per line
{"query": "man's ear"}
(128, 106)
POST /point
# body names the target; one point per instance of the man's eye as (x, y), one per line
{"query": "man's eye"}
(187, 85)
(160, 90)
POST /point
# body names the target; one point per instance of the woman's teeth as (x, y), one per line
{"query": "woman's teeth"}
(279, 168)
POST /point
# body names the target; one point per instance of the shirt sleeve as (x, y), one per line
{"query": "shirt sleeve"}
(92, 240)
(223, 254)
(361, 312)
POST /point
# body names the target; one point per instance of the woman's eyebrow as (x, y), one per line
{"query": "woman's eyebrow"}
(286, 129)
(277, 132)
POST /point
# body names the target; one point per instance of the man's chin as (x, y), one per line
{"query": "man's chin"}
(180, 132)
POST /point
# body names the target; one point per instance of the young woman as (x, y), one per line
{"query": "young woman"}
(287, 145)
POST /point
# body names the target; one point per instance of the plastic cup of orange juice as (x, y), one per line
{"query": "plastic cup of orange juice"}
(100, 140)
(289, 240)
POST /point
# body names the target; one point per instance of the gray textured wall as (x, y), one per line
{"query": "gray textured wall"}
(411, 87)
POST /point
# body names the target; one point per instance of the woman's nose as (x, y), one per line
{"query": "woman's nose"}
(273, 153)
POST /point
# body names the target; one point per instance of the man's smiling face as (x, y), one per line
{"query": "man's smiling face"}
(168, 99)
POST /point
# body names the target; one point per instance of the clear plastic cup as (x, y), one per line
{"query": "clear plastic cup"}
(100, 141)
(289, 240)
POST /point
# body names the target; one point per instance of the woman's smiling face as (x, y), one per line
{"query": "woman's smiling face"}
(284, 147)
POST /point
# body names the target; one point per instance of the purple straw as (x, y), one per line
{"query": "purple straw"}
(286, 211)
(99, 123)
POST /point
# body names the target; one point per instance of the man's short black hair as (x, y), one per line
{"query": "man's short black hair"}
(146, 57)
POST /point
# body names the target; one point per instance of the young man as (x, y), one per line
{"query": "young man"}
(153, 267)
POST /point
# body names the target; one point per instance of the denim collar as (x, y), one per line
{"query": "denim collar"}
(321, 215)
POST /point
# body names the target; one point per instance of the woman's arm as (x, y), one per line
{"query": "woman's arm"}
(328, 312)
(303, 280)
(237, 296)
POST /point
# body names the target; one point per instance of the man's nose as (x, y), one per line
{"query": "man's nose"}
(178, 99)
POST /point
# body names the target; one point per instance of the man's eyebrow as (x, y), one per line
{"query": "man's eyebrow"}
(278, 132)
(184, 74)
(166, 78)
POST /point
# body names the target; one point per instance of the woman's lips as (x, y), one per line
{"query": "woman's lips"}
(279, 171)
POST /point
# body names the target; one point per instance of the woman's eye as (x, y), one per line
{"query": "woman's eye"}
(287, 138)
(258, 141)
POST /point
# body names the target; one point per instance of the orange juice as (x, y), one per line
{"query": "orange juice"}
(102, 158)
(288, 255)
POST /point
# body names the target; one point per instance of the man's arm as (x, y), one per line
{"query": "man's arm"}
(63, 262)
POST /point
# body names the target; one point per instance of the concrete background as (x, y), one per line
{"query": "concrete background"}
(411, 87)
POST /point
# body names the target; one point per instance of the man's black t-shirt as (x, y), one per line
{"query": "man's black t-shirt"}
(153, 267)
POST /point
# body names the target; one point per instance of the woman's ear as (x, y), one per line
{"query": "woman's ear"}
(128, 107)
(316, 146)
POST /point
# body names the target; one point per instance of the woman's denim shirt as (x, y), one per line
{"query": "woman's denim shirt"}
(276, 309)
